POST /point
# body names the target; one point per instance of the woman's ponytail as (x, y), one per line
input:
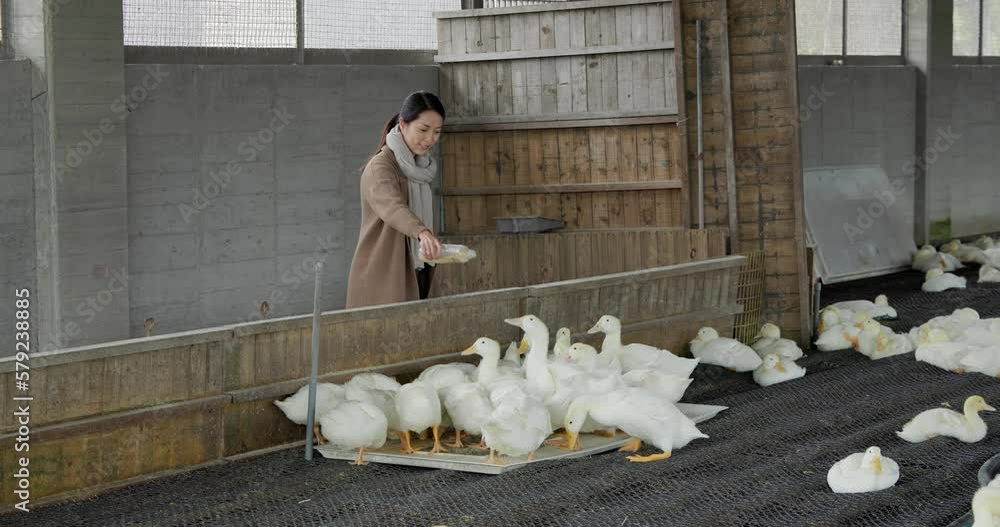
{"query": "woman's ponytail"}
(393, 121)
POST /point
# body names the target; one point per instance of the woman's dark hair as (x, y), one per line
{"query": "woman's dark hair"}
(414, 104)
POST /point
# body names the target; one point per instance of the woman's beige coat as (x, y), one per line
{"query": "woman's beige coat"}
(382, 271)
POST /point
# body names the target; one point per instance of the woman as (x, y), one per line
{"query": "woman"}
(397, 209)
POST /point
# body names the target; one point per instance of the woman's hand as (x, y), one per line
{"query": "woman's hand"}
(430, 246)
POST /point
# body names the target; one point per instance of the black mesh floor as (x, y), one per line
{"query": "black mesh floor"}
(765, 463)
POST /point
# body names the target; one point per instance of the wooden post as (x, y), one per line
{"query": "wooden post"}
(804, 267)
(727, 119)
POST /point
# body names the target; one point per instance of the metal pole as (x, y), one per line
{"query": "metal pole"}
(701, 141)
(300, 32)
(314, 367)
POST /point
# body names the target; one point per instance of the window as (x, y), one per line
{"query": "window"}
(871, 27)
(976, 28)
(210, 23)
(329, 24)
(366, 24)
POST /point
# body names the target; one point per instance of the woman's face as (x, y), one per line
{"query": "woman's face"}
(422, 133)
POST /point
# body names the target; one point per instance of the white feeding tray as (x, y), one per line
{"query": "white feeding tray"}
(471, 460)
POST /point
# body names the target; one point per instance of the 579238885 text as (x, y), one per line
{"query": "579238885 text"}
(22, 401)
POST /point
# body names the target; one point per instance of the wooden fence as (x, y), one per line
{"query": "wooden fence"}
(118, 412)
(527, 259)
(591, 178)
(560, 62)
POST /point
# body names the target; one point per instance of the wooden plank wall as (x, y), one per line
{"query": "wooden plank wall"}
(765, 120)
(139, 407)
(590, 178)
(558, 61)
(527, 259)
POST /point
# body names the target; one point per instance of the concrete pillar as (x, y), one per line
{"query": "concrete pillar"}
(927, 44)
(81, 223)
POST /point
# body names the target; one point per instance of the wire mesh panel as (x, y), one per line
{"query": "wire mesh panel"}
(367, 24)
(991, 29)
(512, 3)
(874, 27)
(210, 23)
(819, 26)
(965, 28)
(749, 293)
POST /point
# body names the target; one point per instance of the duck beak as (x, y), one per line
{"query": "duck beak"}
(573, 439)
(988, 408)
(877, 465)
(469, 351)
(514, 321)
(780, 368)
(595, 329)
(523, 348)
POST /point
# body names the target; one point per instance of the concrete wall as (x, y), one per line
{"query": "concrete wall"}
(968, 168)
(17, 199)
(866, 115)
(207, 244)
(860, 115)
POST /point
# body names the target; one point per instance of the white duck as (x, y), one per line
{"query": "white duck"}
(419, 408)
(517, 426)
(983, 359)
(296, 406)
(469, 406)
(490, 369)
(938, 350)
(866, 471)
(639, 413)
(984, 242)
(988, 273)
(984, 332)
(965, 253)
(384, 400)
(443, 376)
(638, 356)
(669, 387)
(937, 280)
(986, 506)
(835, 334)
(554, 383)
(562, 344)
(729, 353)
(369, 380)
(927, 258)
(512, 356)
(880, 308)
(598, 378)
(878, 342)
(354, 424)
(967, 427)
(776, 369)
(954, 324)
(769, 340)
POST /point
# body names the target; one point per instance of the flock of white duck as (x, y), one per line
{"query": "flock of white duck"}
(514, 405)
(937, 264)
(960, 342)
